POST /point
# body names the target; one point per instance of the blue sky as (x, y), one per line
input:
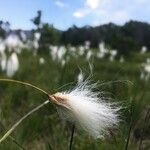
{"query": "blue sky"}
(65, 13)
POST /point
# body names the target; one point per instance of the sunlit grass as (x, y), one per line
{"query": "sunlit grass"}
(44, 130)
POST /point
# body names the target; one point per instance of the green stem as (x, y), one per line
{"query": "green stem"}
(13, 139)
(24, 83)
(72, 135)
(19, 121)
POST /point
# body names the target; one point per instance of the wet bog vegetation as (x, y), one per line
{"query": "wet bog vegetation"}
(46, 58)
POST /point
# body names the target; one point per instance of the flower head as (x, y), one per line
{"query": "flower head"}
(88, 108)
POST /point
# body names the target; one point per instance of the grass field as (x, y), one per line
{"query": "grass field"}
(44, 130)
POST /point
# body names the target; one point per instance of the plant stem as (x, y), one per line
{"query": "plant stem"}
(72, 135)
(19, 121)
(13, 139)
(24, 83)
(143, 130)
(130, 128)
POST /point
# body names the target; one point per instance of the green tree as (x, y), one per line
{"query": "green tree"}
(2, 31)
(49, 35)
(37, 20)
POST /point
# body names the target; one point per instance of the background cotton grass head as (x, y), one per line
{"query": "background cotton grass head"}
(88, 108)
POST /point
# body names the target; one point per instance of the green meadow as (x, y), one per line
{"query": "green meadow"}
(45, 130)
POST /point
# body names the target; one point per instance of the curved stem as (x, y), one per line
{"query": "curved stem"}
(19, 121)
(24, 83)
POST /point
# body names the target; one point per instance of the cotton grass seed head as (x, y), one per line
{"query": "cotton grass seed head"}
(88, 108)
(83, 105)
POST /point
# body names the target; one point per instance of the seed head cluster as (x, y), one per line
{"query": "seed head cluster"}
(88, 108)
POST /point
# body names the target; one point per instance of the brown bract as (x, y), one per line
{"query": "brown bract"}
(59, 99)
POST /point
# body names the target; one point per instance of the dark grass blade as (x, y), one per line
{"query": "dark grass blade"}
(72, 135)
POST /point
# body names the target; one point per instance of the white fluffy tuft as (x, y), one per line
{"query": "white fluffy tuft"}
(90, 110)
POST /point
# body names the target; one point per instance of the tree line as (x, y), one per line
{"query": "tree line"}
(126, 38)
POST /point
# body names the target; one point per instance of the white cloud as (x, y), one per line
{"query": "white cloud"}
(81, 13)
(103, 11)
(88, 7)
(60, 4)
(92, 4)
(96, 12)
(78, 14)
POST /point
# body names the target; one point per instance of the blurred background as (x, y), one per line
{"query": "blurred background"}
(55, 44)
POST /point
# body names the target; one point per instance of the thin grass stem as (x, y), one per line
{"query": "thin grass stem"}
(72, 135)
(12, 138)
(19, 121)
(24, 83)
(20, 146)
